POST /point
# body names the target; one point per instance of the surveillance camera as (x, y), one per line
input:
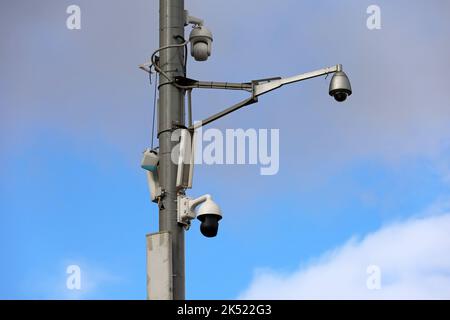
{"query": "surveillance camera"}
(340, 87)
(201, 40)
(209, 213)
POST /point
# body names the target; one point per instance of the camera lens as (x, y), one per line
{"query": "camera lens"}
(340, 96)
(209, 225)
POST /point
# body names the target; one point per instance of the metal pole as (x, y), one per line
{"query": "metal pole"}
(170, 116)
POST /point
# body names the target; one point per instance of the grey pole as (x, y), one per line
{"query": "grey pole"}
(170, 115)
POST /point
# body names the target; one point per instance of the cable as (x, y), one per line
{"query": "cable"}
(189, 94)
(154, 111)
(148, 68)
(185, 60)
(157, 68)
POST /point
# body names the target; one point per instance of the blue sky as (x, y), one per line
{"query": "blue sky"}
(76, 116)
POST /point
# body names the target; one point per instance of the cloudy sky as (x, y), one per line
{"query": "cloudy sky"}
(363, 189)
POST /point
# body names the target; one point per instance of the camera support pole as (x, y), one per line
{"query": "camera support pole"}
(165, 250)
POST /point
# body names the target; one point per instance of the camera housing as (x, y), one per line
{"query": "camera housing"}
(340, 87)
(209, 213)
(201, 42)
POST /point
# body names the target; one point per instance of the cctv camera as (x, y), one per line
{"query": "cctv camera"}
(209, 215)
(340, 87)
(201, 40)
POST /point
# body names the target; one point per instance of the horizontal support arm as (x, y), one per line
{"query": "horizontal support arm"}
(263, 87)
(223, 85)
(187, 83)
(257, 87)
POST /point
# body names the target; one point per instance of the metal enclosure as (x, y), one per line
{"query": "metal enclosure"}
(159, 266)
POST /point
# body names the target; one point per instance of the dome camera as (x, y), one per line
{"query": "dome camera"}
(340, 87)
(208, 213)
(201, 41)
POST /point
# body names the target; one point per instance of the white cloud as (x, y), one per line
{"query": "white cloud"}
(413, 257)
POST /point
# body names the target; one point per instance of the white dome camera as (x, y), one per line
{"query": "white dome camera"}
(201, 41)
(209, 213)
